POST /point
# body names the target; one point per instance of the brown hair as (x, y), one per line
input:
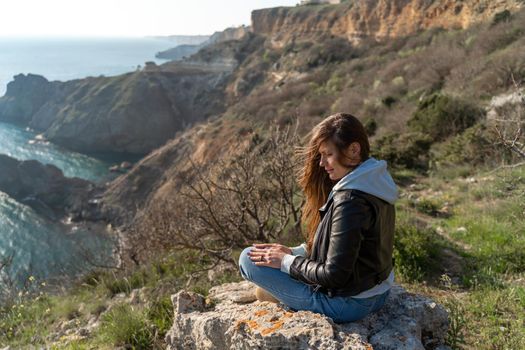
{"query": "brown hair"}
(342, 129)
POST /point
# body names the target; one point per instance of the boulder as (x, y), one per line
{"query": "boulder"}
(231, 319)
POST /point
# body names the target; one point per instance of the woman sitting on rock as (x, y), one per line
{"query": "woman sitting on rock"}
(345, 269)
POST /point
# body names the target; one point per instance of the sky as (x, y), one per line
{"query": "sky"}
(125, 18)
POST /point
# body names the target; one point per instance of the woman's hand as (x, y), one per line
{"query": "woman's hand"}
(268, 254)
(275, 246)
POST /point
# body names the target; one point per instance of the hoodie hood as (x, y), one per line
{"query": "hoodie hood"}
(371, 177)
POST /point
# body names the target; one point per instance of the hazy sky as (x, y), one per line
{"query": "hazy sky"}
(125, 17)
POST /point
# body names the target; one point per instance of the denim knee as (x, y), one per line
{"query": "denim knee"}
(245, 263)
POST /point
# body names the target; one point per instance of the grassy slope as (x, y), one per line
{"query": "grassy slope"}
(479, 225)
(459, 240)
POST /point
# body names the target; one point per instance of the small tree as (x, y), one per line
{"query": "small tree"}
(232, 204)
(510, 124)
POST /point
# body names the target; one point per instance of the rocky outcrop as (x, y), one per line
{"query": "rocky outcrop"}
(230, 319)
(178, 52)
(44, 188)
(24, 97)
(184, 51)
(379, 19)
(132, 113)
(232, 33)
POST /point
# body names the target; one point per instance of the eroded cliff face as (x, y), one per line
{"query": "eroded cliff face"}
(379, 19)
(132, 113)
(232, 33)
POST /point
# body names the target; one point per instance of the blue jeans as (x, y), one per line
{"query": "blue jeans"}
(300, 296)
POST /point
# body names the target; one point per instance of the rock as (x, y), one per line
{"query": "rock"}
(240, 293)
(138, 296)
(83, 332)
(125, 165)
(25, 96)
(407, 321)
(187, 302)
(43, 187)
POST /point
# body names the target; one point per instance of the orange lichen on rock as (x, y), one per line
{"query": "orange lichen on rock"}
(269, 330)
(288, 314)
(250, 323)
(261, 313)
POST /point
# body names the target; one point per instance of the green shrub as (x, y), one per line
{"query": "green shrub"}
(124, 326)
(441, 116)
(415, 251)
(503, 16)
(408, 150)
(457, 325)
(470, 147)
(116, 285)
(160, 313)
(388, 101)
(429, 206)
(370, 125)
(328, 50)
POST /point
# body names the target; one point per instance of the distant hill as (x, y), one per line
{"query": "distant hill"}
(184, 39)
(186, 50)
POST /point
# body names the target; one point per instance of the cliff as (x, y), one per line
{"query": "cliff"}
(379, 19)
(178, 52)
(185, 51)
(132, 113)
(232, 33)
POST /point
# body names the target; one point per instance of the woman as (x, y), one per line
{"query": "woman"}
(345, 269)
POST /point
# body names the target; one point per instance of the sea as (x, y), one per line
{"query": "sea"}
(33, 249)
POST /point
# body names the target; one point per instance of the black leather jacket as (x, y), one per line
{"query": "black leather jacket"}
(353, 245)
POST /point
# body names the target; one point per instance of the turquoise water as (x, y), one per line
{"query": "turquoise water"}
(69, 58)
(22, 144)
(46, 250)
(39, 247)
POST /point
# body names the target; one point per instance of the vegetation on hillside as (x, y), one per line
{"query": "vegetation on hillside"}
(424, 99)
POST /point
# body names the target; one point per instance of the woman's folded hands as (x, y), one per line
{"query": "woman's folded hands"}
(268, 254)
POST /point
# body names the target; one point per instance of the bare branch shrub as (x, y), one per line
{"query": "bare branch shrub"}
(7, 281)
(508, 118)
(251, 198)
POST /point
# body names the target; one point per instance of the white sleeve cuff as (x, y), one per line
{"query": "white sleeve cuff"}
(286, 262)
(299, 250)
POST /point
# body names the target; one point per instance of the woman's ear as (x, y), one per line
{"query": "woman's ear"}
(353, 152)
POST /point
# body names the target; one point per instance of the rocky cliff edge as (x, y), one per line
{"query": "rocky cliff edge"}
(379, 19)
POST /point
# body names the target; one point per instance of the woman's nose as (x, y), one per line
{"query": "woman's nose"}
(321, 161)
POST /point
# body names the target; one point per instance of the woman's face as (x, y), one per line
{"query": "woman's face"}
(330, 160)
